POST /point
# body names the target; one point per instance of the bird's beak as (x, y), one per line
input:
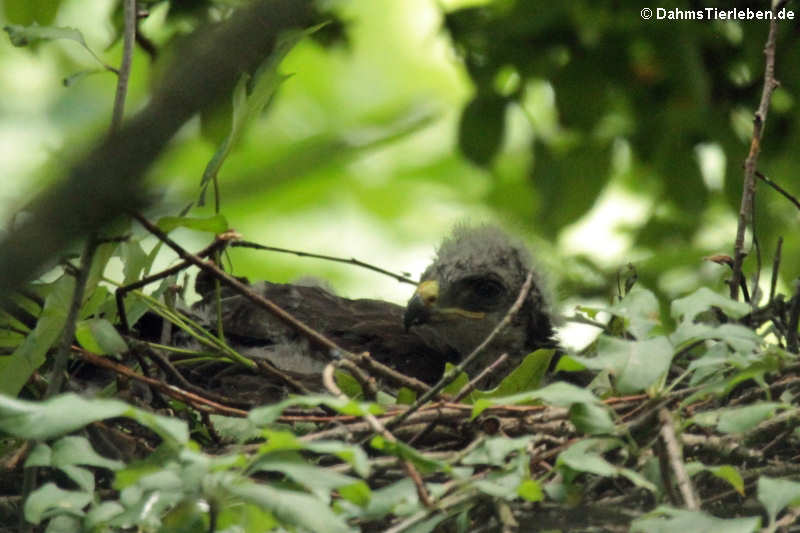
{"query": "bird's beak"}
(422, 304)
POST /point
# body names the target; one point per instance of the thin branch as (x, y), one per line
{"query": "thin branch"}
(751, 163)
(469, 387)
(352, 261)
(68, 334)
(454, 373)
(675, 457)
(128, 39)
(778, 188)
(776, 266)
(196, 401)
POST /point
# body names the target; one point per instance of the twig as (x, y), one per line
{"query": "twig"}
(776, 266)
(454, 373)
(352, 261)
(751, 163)
(673, 452)
(128, 39)
(778, 188)
(330, 384)
(68, 334)
(366, 360)
(477, 379)
(198, 402)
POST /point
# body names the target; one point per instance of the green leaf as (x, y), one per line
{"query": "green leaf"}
(317, 480)
(99, 336)
(406, 396)
(102, 513)
(358, 493)
(494, 451)
(268, 414)
(49, 500)
(350, 453)
(63, 524)
(667, 520)
(27, 11)
(586, 456)
(395, 498)
(641, 311)
(560, 393)
(408, 453)
(502, 485)
(738, 337)
(75, 77)
(776, 494)
(742, 419)
(25, 35)
(636, 365)
(292, 508)
(68, 412)
(348, 384)
(71, 450)
(17, 368)
(459, 383)
(730, 474)
(213, 224)
(250, 98)
(592, 418)
(527, 376)
(686, 309)
(482, 127)
(530, 490)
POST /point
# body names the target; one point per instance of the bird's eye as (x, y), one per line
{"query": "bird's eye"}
(487, 289)
(480, 294)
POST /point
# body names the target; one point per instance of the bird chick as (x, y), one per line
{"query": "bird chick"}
(468, 289)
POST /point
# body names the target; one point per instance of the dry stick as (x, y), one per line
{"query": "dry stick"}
(676, 461)
(330, 384)
(750, 164)
(198, 402)
(463, 393)
(352, 261)
(454, 373)
(398, 377)
(477, 379)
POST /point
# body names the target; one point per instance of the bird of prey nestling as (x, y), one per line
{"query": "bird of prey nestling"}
(475, 278)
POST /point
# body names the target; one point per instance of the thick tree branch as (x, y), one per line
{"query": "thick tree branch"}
(106, 182)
